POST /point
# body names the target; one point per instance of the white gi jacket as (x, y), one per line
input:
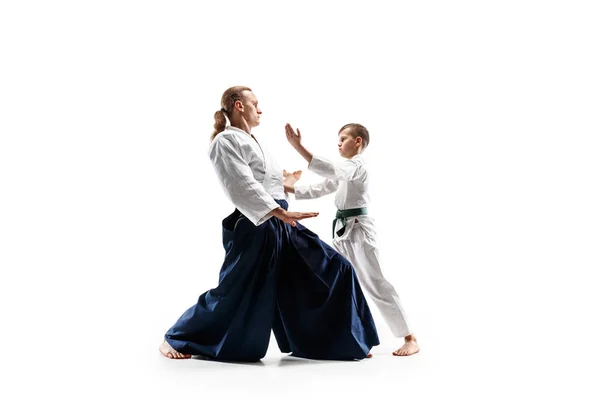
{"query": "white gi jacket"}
(250, 177)
(348, 177)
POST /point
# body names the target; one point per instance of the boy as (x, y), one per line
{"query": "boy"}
(353, 230)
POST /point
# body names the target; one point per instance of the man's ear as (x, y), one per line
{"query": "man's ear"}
(238, 105)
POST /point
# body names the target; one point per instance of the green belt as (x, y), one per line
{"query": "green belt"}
(343, 214)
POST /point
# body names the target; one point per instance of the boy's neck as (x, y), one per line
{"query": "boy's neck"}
(353, 155)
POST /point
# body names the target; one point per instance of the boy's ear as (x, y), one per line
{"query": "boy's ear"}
(359, 140)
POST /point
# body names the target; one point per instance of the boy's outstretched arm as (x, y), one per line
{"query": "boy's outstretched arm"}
(348, 170)
(295, 139)
(288, 188)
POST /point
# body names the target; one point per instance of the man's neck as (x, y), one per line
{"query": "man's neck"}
(243, 125)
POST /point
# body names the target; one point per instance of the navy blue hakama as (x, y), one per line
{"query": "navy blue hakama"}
(277, 277)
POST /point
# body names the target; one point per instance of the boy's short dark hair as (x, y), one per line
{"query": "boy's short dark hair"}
(358, 130)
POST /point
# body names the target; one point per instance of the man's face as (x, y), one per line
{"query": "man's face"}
(250, 112)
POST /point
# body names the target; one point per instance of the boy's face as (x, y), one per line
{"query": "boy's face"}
(347, 144)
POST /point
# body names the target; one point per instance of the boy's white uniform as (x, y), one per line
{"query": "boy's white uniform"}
(358, 242)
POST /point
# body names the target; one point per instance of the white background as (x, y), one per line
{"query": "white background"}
(484, 119)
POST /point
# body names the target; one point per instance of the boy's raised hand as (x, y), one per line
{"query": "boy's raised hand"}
(295, 138)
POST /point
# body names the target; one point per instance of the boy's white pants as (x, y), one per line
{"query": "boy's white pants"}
(359, 245)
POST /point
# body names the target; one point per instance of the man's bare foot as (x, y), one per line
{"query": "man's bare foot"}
(169, 352)
(409, 347)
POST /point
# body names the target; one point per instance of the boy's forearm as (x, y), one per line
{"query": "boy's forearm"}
(307, 155)
(288, 188)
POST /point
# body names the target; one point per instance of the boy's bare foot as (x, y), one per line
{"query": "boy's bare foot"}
(409, 347)
(369, 355)
(169, 352)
